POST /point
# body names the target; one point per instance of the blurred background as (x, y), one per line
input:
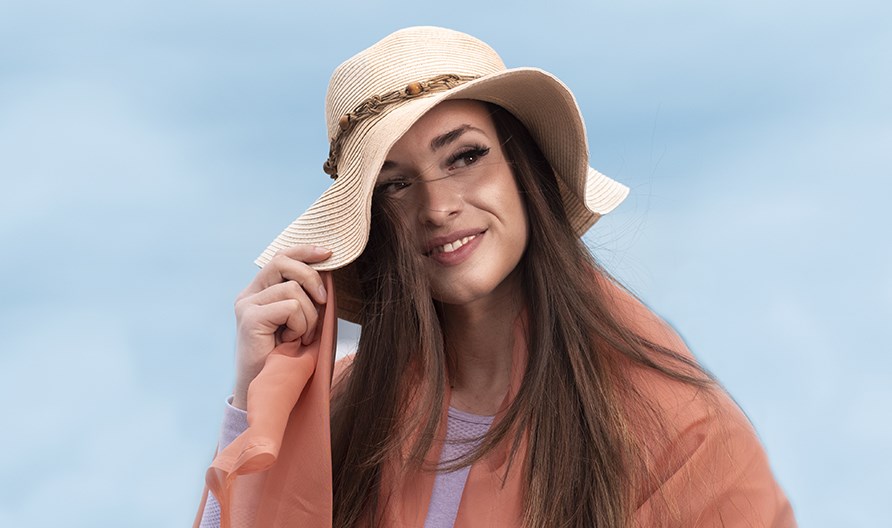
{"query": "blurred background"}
(149, 151)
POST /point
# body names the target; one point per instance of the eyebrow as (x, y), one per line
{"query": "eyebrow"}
(444, 139)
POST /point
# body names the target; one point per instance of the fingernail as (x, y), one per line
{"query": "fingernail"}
(322, 293)
(321, 250)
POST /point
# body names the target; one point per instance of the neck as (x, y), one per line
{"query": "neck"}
(480, 341)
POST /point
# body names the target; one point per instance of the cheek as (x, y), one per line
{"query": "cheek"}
(511, 210)
(520, 231)
(510, 231)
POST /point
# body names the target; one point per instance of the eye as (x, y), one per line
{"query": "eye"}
(467, 157)
(393, 186)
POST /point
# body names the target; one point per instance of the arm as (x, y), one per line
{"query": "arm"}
(710, 469)
(235, 421)
(278, 311)
(705, 463)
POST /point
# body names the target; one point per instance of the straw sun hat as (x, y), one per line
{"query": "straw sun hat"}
(377, 95)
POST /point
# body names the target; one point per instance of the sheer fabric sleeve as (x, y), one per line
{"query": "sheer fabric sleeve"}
(235, 421)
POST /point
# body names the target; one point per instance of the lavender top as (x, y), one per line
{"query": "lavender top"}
(463, 433)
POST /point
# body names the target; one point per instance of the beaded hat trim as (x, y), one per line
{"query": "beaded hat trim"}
(376, 104)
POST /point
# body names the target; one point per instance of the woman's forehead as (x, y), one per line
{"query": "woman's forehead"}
(434, 129)
(450, 111)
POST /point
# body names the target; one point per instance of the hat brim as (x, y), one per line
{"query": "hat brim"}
(340, 219)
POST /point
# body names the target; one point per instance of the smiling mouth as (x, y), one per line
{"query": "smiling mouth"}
(449, 247)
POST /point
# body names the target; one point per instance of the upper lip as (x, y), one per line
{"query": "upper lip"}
(451, 237)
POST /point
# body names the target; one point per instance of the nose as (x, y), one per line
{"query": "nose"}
(440, 202)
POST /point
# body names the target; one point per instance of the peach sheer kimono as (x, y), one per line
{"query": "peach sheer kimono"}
(277, 473)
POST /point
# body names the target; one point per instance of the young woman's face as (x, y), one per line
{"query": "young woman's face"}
(448, 173)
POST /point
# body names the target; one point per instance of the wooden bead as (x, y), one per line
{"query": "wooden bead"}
(414, 88)
(344, 121)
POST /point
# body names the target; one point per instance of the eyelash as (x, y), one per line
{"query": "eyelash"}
(476, 152)
(391, 186)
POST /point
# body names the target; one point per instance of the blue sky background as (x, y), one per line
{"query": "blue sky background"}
(150, 150)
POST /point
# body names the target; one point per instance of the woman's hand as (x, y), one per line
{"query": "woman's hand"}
(280, 305)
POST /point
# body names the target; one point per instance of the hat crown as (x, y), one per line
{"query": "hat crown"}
(406, 56)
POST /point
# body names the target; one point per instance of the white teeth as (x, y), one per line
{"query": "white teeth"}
(449, 247)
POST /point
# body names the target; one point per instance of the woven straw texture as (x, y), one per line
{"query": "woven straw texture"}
(339, 220)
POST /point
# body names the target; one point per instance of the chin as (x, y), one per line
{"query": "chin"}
(454, 296)
(457, 291)
(476, 288)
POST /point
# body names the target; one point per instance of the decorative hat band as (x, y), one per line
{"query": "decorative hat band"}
(376, 104)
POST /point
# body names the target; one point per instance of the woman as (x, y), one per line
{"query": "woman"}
(502, 377)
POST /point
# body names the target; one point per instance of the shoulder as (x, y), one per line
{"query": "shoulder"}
(633, 314)
(704, 462)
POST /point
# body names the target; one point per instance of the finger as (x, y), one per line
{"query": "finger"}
(283, 291)
(296, 325)
(312, 330)
(277, 292)
(310, 314)
(269, 317)
(293, 263)
(288, 335)
(270, 274)
(284, 267)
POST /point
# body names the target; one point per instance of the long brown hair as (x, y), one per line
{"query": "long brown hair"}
(581, 452)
